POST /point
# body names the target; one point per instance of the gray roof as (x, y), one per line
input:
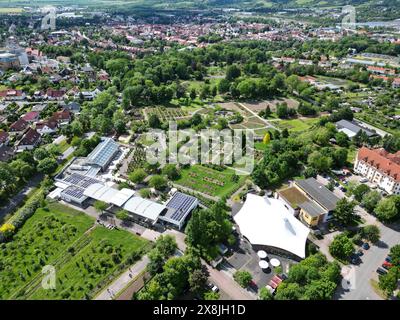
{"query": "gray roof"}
(319, 193)
(312, 208)
(354, 127)
(103, 153)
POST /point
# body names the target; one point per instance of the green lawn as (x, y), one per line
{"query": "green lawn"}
(84, 258)
(221, 182)
(296, 125)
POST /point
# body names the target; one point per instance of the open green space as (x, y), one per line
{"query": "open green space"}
(296, 125)
(210, 181)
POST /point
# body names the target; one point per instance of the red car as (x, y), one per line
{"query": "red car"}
(387, 265)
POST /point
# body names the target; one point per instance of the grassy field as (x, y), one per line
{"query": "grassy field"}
(297, 125)
(11, 10)
(209, 181)
(84, 258)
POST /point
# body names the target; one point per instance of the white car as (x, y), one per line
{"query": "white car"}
(363, 180)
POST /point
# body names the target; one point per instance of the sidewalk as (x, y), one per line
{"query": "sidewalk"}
(123, 280)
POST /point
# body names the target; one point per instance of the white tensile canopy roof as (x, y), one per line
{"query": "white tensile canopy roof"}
(266, 221)
(145, 208)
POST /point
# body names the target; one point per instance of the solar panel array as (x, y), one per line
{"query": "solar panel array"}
(181, 203)
(103, 153)
(79, 180)
(74, 192)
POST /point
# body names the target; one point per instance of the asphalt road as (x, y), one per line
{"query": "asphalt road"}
(359, 287)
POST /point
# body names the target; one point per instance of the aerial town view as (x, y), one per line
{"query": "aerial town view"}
(199, 150)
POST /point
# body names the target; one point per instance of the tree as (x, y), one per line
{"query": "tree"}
(360, 191)
(371, 233)
(138, 175)
(388, 282)
(342, 139)
(371, 200)
(211, 295)
(320, 290)
(244, 278)
(41, 153)
(265, 294)
(319, 162)
(7, 230)
(395, 254)
(282, 110)
(344, 212)
(47, 166)
(197, 281)
(267, 138)
(145, 193)
(193, 94)
(154, 121)
(233, 72)
(288, 291)
(171, 171)
(387, 209)
(122, 215)
(100, 206)
(341, 247)
(158, 182)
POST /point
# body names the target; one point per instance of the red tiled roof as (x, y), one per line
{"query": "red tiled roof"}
(10, 93)
(55, 93)
(385, 162)
(48, 123)
(61, 115)
(30, 116)
(19, 125)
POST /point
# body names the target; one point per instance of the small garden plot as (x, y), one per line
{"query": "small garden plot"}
(258, 106)
(210, 181)
(138, 158)
(166, 114)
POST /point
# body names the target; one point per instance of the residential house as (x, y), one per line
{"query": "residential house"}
(4, 138)
(29, 141)
(381, 70)
(31, 117)
(62, 118)
(12, 95)
(18, 127)
(74, 107)
(310, 200)
(379, 167)
(46, 127)
(52, 94)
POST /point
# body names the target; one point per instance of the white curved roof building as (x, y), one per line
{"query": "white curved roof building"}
(266, 221)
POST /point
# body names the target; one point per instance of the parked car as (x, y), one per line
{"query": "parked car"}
(381, 271)
(213, 287)
(355, 259)
(360, 253)
(388, 259)
(365, 246)
(363, 180)
(387, 265)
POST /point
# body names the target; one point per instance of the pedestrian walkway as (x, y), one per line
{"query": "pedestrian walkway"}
(112, 291)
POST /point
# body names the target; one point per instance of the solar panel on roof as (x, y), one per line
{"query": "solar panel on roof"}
(181, 203)
(74, 192)
(79, 180)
